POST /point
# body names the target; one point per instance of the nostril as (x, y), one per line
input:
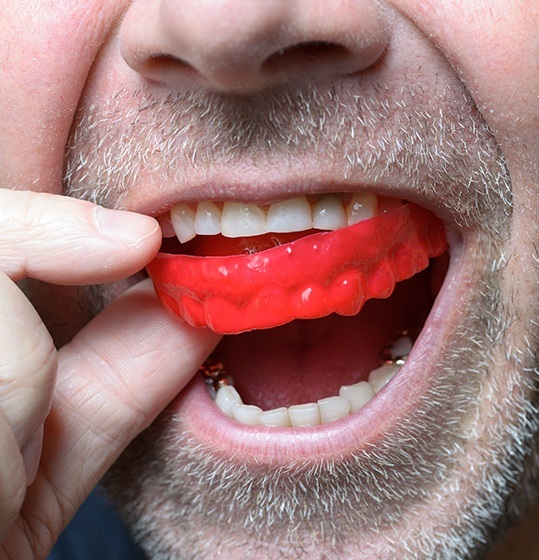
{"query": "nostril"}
(318, 60)
(306, 53)
(312, 48)
(163, 59)
(161, 65)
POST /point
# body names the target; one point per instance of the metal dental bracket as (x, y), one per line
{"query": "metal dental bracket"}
(214, 374)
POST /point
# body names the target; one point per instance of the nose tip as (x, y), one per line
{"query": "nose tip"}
(237, 46)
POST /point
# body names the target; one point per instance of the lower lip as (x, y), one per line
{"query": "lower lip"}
(361, 430)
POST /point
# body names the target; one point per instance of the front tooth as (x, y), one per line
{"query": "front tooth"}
(304, 415)
(207, 219)
(362, 207)
(289, 215)
(382, 375)
(227, 397)
(277, 417)
(242, 220)
(358, 394)
(182, 217)
(333, 408)
(328, 213)
(247, 414)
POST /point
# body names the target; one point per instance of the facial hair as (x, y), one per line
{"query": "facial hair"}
(180, 499)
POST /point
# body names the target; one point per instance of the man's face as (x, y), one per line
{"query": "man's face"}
(147, 104)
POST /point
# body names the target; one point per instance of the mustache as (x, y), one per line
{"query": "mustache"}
(433, 142)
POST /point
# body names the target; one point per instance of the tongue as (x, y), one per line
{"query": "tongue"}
(304, 361)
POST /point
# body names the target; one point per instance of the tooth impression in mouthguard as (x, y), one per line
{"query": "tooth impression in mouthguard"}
(308, 278)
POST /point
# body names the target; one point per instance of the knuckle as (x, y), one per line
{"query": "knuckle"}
(21, 216)
(28, 364)
(11, 500)
(42, 526)
(26, 388)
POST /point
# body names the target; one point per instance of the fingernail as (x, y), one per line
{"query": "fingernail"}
(127, 228)
(31, 455)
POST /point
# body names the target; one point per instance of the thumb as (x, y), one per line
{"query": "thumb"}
(62, 240)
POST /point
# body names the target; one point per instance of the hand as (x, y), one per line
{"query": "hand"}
(65, 416)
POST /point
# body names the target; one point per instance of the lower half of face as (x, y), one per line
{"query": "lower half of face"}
(404, 429)
(398, 422)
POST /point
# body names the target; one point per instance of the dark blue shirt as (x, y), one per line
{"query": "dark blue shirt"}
(96, 532)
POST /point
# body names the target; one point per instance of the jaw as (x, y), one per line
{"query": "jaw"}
(364, 486)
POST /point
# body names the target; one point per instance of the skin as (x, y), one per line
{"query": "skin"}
(66, 415)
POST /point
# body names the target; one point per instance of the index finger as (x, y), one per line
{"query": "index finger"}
(114, 378)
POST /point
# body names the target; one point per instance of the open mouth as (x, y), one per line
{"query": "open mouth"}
(323, 300)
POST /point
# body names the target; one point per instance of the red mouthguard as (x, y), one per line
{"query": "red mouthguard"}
(307, 278)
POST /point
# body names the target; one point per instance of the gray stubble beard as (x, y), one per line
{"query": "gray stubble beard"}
(184, 502)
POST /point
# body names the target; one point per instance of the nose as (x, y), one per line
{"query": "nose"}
(241, 46)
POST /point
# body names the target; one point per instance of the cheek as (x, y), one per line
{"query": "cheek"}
(65, 310)
(46, 52)
(493, 48)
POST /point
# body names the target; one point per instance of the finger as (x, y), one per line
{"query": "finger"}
(12, 477)
(67, 241)
(27, 363)
(113, 380)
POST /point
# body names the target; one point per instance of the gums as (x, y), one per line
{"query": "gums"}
(310, 277)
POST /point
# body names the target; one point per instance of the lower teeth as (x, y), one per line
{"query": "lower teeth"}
(350, 399)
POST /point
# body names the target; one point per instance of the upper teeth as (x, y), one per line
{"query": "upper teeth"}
(234, 219)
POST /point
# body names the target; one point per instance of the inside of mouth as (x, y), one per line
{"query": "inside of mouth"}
(313, 370)
(307, 360)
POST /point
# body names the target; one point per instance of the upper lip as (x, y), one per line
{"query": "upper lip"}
(261, 191)
(433, 171)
